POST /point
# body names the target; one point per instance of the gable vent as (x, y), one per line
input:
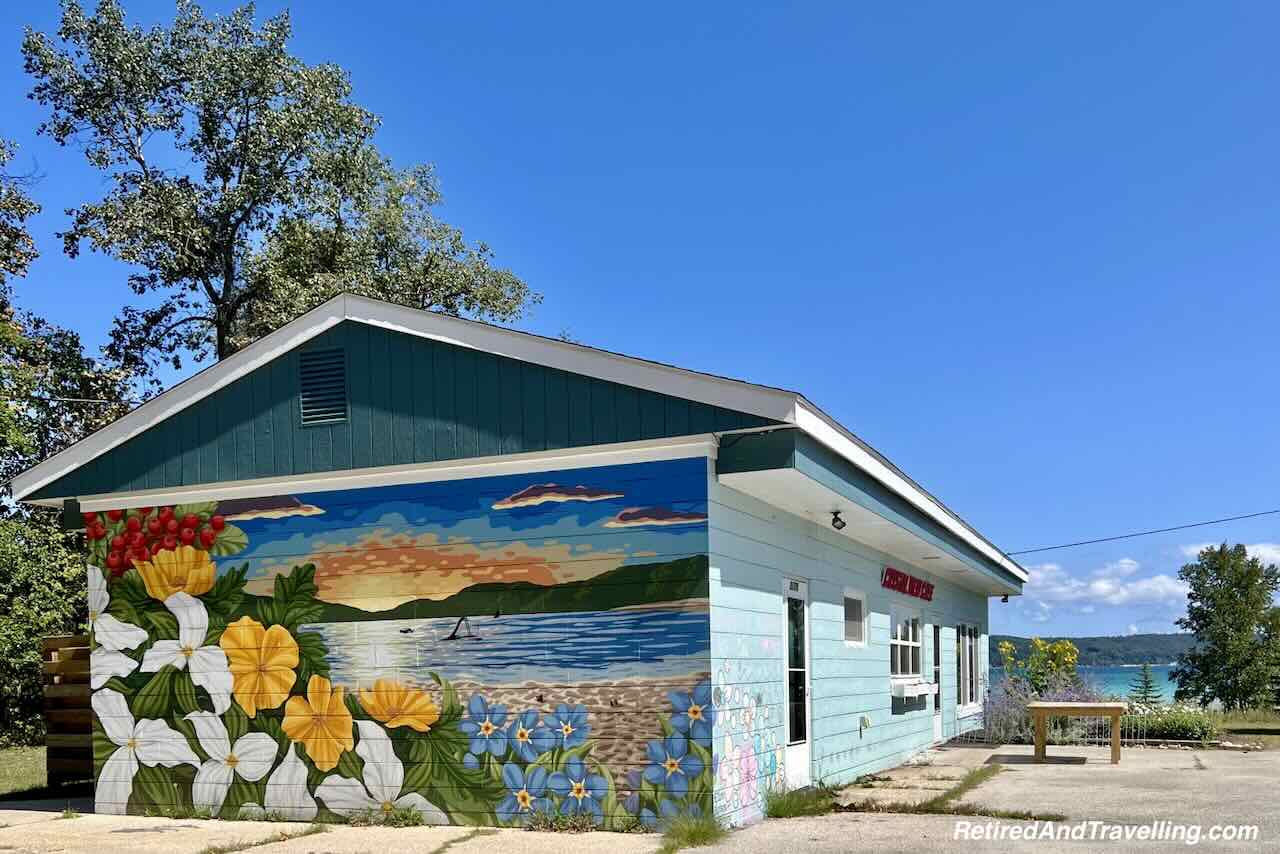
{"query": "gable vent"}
(322, 384)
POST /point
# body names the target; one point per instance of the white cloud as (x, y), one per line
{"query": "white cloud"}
(1192, 550)
(1132, 630)
(1050, 583)
(1122, 568)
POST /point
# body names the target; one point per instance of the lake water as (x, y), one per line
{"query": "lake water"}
(554, 648)
(1115, 680)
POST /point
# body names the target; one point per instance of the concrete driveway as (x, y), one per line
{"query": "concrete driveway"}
(1201, 788)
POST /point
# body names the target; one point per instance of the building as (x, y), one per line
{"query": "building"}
(385, 559)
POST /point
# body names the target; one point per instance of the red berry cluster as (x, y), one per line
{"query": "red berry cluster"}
(147, 531)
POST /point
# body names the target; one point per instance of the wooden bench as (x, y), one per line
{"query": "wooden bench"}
(1041, 711)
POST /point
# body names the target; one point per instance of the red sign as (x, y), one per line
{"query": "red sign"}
(896, 579)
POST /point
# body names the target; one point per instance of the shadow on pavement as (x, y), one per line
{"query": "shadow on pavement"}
(1017, 759)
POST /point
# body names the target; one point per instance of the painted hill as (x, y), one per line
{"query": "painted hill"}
(1108, 651)
(639, 584)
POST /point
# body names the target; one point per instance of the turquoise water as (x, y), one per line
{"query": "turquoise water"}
(1115, 680)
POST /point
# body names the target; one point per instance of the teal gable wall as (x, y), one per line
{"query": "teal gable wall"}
(412, 400)
(753, 548)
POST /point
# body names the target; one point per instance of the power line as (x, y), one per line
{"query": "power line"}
(39, 399)
(1146, 533)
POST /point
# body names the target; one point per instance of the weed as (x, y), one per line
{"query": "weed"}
(689, 832)
(201, 813)
(282, 836)
(70, 812)
(792, 803)
(394, 817)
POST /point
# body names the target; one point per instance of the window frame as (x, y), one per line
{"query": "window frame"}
(913, 619)
(852, 593)
(969, 684)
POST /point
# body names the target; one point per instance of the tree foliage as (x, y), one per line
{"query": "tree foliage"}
(42, 593)
(17, 249)
(243, 182)
(1231, 612)
(1143, 690)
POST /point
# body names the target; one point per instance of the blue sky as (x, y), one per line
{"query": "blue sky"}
(1030, 254)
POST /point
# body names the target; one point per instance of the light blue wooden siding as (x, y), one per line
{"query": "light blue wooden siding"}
(753, 547)
(412, 400)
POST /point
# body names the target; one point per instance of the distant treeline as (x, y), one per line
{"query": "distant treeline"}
(1108, 651)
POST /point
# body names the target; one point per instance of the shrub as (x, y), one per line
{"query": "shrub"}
(42, 593)
(1172, 723)
(1006, 719)
(1047, 664)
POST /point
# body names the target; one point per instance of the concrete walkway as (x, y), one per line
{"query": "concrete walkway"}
(1203, 787)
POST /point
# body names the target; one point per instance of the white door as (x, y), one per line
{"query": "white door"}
(937, 680)
(797, 683)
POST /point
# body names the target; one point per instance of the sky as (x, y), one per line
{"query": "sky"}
(1028, 253)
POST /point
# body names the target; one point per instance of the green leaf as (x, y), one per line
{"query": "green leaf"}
(203, 509)
(115, 683)
(312, 660)
(236, 721)
(230, 540)
(163, 624)
(156, 697)
(241, 792)
(184, 693)
(227, 593)
(350, 765)
(153, 789)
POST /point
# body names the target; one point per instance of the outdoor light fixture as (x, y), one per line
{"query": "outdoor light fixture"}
(836, 521)
(1004, 600)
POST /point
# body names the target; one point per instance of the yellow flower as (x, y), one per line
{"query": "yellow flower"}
(182, 570)
(397, 704)
(320, 722)
(261, 662)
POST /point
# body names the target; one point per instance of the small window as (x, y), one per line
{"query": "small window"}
(855, 618)
(968, 678)
(322, 386)
(904, 645)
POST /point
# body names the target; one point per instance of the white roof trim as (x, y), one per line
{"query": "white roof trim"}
(775, 404)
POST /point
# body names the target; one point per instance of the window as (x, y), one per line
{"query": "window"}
(855, 618)
(968, 685)
(904, 645)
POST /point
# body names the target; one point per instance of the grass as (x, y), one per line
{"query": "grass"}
(397, 817)
(21, 769)
(70, 812)
(282, 836)
(202, 813)
(1251, 726)
(689, 832)
(793, 803)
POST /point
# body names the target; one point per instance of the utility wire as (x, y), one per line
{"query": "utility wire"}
(1146, 533)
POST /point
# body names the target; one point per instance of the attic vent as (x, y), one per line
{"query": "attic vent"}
(322, 384)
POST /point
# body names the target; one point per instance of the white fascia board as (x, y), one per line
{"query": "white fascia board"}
(528, 463)
(184, 394)
(766, 402)
(825, 430)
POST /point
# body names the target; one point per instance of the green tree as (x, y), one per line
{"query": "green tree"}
(1230, 611)
(17, 249)
(42, 593)
(243, 184)
(1143, 690)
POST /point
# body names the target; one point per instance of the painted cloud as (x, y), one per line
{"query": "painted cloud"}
(636, 517)
(545, 493)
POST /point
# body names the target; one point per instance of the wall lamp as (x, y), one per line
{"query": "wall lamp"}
(1004, 600)
(836, 521)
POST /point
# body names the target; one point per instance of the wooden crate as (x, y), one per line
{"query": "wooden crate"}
(67, 714)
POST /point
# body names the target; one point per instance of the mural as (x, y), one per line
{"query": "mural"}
(749, 730)
(477, 651)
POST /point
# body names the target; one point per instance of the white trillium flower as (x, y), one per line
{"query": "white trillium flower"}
(287, 794)
(383, 778)
(109, 632)
(209, 667)
(149, 742)
(249, 758)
